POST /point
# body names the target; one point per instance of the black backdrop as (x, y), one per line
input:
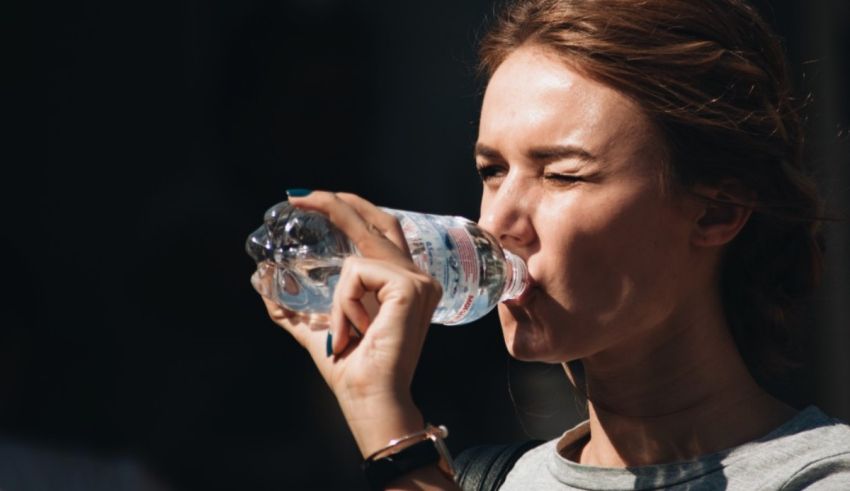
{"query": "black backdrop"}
(145, 141)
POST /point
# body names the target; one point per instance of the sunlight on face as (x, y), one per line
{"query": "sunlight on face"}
(571, 172)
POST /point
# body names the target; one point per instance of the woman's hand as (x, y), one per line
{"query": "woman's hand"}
(369, 368)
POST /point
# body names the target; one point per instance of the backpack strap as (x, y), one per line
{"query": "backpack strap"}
(484, 468)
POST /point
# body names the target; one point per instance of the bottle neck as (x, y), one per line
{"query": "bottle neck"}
(517, 277)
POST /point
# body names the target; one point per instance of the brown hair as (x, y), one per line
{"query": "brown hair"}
(712, 76)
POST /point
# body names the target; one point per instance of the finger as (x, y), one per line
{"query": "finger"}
(356, 314)
(283, 317)
(299, 326)
(349, 221)
(347, 311)
(342, 337)
(261, 284)
(385, 222)
(274, 310)
(338, 328)
(387, 282)
(338, 332)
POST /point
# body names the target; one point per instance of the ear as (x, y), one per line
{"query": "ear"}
(722, 214)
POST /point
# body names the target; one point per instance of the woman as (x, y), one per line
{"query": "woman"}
(644, 159)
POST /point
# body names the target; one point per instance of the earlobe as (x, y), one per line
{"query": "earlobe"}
(724, 211)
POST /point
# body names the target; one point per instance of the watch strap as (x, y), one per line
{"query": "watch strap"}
(381, 472)
(410, 452)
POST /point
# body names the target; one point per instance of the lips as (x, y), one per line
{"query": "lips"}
(526, 296)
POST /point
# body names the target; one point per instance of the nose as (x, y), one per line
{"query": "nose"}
(506, 212)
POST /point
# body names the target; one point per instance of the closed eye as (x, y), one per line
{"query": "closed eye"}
(562, 178)
(489, 172)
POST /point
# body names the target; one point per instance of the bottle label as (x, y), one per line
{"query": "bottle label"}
(468, 259)
(443, 248)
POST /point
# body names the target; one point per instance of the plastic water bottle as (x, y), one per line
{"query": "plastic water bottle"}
(299, 255)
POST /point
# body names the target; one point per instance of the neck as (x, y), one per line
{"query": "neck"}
(675, 395)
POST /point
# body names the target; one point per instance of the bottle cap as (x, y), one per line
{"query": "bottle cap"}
(517, 280)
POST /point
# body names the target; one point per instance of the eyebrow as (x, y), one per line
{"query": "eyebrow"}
(545, 153)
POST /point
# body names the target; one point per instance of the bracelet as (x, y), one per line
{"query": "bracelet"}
(399, 456)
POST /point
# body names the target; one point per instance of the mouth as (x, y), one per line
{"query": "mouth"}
(525, 297)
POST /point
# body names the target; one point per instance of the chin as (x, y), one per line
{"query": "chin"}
(527, 340)
(546, 333)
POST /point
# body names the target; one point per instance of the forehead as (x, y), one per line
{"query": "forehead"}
(534, 95)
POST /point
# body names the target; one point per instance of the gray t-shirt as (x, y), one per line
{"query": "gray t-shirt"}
(811, 451)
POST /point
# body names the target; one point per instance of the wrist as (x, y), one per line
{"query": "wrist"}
(410, 454)
(376, 420)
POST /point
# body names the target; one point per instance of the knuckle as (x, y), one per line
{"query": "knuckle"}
(347, 196)
(390, 222)
(350, 264)
(387, 219)
(428, 286)
(362, 237)
(343, 270)
(327, 199)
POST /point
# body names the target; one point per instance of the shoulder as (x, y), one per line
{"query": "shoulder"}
(485, 467)
(824, 474)
(536, 458)
(815, 436)
(812, 451)
(824, 446)
(530, 471)
(542, 467)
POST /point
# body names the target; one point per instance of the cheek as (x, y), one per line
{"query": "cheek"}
(614, 257)
(607, 271)
(648, 243)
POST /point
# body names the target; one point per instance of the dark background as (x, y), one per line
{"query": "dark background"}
(144, 142)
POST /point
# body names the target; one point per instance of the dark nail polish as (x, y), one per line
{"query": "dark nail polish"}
(329, 348)
(298, 192)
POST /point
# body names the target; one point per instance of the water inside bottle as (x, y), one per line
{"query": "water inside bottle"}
(301, 255)
(308, 284)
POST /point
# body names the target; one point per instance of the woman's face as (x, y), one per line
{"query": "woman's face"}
(571, 172)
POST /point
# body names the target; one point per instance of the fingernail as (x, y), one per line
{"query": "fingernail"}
(298, 192)
(329, 349)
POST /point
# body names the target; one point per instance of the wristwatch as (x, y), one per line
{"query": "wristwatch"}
(405, 454)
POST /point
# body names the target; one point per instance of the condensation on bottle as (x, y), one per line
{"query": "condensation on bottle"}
(299, 253)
